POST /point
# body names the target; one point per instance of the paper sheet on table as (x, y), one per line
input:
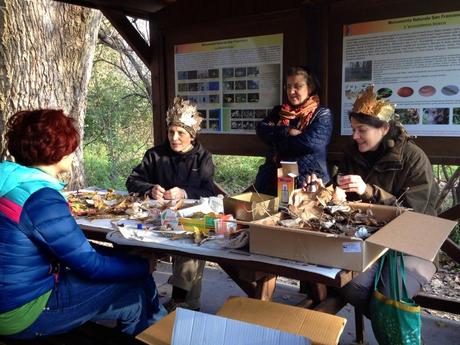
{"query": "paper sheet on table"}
(212, 249)
(191, 327)
(212, 204)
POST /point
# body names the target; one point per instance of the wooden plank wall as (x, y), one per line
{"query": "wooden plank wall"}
(312, 35)
(203, 20)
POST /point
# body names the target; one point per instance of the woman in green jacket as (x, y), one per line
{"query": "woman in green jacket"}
(384, 166)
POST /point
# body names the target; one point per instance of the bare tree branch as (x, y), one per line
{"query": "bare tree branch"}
(133, 95)
(447, 187)
(93, 140)
(116, 42)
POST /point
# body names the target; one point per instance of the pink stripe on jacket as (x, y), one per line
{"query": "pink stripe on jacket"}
(10, 209)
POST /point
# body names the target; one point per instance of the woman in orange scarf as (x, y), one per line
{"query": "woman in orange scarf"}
(298, 130)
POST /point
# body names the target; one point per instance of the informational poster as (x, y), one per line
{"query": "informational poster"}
(413, 62)
(234, 82)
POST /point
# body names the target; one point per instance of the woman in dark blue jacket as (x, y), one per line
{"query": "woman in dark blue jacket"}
(52, 279)
(298, 130)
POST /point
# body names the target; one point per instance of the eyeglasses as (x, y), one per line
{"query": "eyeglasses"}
(296, 87)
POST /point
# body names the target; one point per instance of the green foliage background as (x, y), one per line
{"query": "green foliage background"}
(118, 124)
(118, 130)
(236, 173)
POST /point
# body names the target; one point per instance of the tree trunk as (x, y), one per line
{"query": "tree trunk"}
(46, 54)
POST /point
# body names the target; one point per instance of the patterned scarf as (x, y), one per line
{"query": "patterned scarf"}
(303, 111)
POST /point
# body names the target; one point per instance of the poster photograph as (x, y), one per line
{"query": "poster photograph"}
(233, 82)
(413, 62)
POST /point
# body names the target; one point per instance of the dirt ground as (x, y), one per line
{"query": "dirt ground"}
(445, 283)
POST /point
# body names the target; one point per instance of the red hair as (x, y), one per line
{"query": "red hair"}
(41, 136)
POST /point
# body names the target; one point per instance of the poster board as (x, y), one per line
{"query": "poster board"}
(234, 82)
(439, 149)
(225, 25)
(414, 62)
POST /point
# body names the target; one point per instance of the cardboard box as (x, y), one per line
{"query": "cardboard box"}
(286, 181)
(411, 233)
(193, 327)
(251, 206)
(321, 328)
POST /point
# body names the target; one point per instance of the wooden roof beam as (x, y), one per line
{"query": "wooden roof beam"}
(130, 34)
(133, 8)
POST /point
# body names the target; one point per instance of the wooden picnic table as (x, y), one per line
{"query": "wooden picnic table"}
(257, 278)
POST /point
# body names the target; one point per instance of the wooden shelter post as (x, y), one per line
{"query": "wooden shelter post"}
(157, 69)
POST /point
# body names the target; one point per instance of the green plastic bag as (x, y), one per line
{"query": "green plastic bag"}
(396, 318)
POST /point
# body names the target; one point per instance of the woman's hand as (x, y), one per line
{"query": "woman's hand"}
(294, 131)
(174, 194)
(157, 192)
(352, 184)
(313, 178)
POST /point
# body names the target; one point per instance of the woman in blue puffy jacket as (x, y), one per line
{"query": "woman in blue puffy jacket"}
(298, 131)
(52, 279)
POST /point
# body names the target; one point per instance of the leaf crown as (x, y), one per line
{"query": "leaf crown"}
(183, 114)
(368, 103)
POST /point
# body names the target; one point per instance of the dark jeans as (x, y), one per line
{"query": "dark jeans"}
(75, 300)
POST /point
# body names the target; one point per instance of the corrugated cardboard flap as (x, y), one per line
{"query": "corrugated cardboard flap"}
(193, 328)
(159, 333)
(415, 234)
(321, 328)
